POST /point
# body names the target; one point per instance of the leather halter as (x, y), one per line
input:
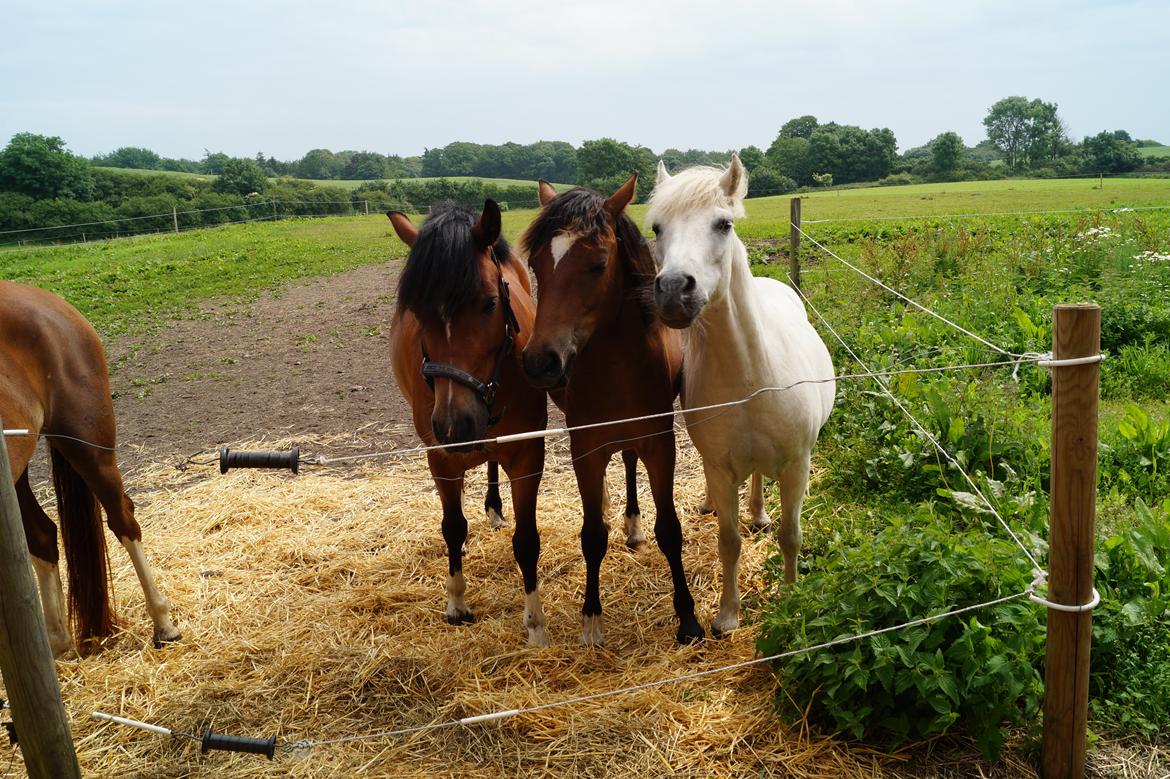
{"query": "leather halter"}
(486, 392)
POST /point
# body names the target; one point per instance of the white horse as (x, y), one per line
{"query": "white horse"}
(742, 333)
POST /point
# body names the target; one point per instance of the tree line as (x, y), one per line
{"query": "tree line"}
(43, 184)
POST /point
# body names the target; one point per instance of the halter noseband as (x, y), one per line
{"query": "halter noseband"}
(486, 392)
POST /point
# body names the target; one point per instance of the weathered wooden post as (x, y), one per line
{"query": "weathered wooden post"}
(175, 216)
(1076, 332)
(794, 242)
(367, 204)
(25, 658)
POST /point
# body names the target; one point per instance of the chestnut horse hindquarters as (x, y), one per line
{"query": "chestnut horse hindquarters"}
(62, 388)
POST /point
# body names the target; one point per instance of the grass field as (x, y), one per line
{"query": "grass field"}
(1154, 152)
(133, 283)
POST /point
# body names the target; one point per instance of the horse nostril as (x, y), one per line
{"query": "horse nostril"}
(690, 285)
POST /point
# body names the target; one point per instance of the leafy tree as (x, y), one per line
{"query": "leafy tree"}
(319, 164)
(1028, 132)
(128, 157)
(946, 151)
(40, 166)
(240, 177)
(1110, 152)
(752, 158)
(365, 165)
(764, 181)
(800, 127)
(790, 157)
(213, 162)
(603, 164)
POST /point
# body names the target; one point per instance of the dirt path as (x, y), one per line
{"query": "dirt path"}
(309, 359)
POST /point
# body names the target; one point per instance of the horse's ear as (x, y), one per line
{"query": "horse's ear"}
(403, 226)
(624, 196)
(663, 174)
(486, 230)
(547, 193)
(734, 182)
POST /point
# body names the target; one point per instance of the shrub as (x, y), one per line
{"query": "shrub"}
(1130, 675)
(975, 670)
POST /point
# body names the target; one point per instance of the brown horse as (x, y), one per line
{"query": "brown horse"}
(464, 314)
(596, 335)
(53, 382)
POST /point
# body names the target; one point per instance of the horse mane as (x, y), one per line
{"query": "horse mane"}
(441, 273)
(692, 189)
(582, 211)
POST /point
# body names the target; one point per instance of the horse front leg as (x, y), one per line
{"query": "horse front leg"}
(659, 458)
(449, 483)
(590, 471)
(632, 522)
(525, 470)
(723, 490)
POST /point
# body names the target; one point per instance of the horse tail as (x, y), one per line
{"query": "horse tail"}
(84, 539)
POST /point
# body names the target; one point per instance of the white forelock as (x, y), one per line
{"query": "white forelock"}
(691, 190)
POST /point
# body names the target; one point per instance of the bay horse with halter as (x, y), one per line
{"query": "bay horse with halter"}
(597, 337)
(743, 333)
(463, 315)
(54, 383)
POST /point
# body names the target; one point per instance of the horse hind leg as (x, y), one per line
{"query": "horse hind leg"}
(100, 471)
(793, 483)
(760, 518)
(493, 505)
(42, 545)
(632, 522)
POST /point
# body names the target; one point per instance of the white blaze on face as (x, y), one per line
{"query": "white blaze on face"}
(561, 243)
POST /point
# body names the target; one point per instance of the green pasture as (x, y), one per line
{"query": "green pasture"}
(135, 283)
(1154, 152)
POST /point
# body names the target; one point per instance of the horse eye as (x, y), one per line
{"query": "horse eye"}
(597, 268)
(489, 305)
(656, 228)
(723, 226)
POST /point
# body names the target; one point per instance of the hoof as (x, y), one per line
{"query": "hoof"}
(690, 632)
(162, 638)
(635, 538)
(495, 519)
(461, 618)
(722, 627)
(705, 508)
(537, 637)
(591, 634)
(761, 522)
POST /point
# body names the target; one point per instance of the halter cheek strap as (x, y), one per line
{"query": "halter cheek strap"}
(487, 392)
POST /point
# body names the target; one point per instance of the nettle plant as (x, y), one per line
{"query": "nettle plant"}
(975, 671)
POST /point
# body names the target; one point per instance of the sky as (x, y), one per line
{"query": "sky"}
(285, 77)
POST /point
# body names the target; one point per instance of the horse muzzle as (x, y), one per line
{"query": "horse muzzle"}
(546, 369)
(456, 431)
(677, 300)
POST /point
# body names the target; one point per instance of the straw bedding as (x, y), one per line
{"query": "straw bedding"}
(312, 607)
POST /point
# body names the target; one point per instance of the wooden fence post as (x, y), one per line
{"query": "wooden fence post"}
(30, 676)
(794, 242)
(1076, 332)
(367, 207)
(175, 216)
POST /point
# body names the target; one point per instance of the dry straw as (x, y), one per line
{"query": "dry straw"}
(312, 607)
